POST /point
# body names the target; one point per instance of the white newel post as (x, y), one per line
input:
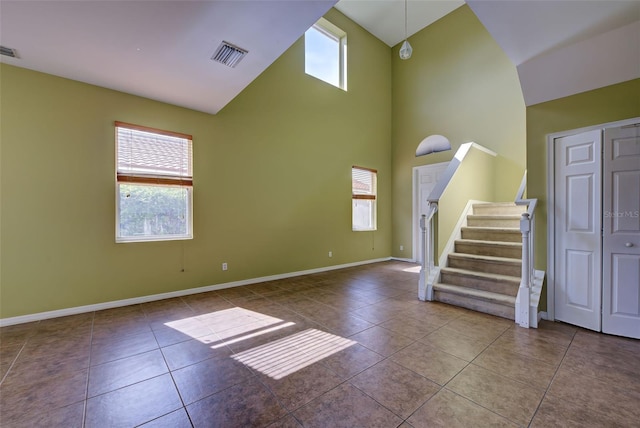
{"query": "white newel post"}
(524, 294)
(422, 285)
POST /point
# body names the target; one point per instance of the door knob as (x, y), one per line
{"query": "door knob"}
(628, 245)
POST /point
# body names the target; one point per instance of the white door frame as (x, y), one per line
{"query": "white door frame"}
(551, 222)
(415, 217)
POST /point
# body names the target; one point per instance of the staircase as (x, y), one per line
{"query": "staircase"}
(483, 273)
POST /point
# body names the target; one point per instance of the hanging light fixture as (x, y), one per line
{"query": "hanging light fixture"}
(405, 50)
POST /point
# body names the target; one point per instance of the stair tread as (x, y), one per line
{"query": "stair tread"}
(492, 228)
(484, 275)
(476, 293)
(487, 242)
(497, 204)
(485, 258)
(495, 216)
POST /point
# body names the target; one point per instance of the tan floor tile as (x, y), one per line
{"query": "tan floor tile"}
(243, 405)
(447, 409)
(17, 398)
(477, 327)
(601, 396)
(16, 335)
(33, 370)
(516, 366)
(105, 350)
(348, 407)
(126, 371)
(133, 405)
(555, 412)
(176, 419)
(409, 327)
(193, 351)
(382, 341)
(532, 346)
(286, 422)
(351, 361)
(619, 368)
(208, 377)
(430, 362)
(397, 388)
(56, 347)
(513, 400)
(455, 343)
(68, 417)
(598, 341)
(302, 386)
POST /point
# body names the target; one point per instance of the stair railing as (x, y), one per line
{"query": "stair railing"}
(425, 288)
(527, 228)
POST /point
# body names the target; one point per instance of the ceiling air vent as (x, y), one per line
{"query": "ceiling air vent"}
(229, 54)
(8, 52)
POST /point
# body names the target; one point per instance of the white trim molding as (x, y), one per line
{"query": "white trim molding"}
(144, 299)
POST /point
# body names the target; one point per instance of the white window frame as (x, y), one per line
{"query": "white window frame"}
(334, 33)
(358, 195)
(182, 179)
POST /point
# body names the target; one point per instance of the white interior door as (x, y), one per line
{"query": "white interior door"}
(621, 232)
(425, 179)
(578, 215)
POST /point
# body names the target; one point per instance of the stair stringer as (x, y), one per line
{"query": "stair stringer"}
(448, 248)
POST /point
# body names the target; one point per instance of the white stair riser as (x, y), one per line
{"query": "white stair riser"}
(509, 288)
(484, 235)
(476, 304)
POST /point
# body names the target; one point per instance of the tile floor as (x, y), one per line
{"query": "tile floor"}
(348, 348)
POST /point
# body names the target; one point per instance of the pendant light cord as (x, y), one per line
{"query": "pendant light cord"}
(405, 19)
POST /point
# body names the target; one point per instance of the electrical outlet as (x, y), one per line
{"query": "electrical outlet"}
(330, 253)
(225, 266)
(401, 247)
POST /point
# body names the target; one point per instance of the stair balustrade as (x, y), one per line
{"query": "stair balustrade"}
(527, 228)
(425, 288)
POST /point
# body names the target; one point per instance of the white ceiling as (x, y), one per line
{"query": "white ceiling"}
(162, 49)
(525, 29)
(156, 49)
(385, 18)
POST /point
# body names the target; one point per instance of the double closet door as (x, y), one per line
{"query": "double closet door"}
(597, 230)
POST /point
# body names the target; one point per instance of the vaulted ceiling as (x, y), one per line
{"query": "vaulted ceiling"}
(162, 49)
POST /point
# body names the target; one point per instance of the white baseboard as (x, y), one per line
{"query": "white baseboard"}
(400, 259)
(543, 315)
(144, 299)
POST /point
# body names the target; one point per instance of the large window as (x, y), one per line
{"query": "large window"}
(154, 183)
(326, 53)
(363, 198)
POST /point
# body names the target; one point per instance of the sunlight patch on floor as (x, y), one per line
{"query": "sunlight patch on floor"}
(414, 269)
(287, 355)
(228, 326)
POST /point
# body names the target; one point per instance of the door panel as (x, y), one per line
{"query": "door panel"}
(621, 232)
(578, 212)
(428, 176)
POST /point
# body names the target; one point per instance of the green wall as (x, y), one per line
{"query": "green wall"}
(459, 84)
(272, 181)
(473, 180)
(609, 104)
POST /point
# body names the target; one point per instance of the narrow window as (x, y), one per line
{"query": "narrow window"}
(326, 53)
(154, 182)
(363, 198)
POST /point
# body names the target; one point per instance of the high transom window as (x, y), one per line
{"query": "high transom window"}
(326, 53)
